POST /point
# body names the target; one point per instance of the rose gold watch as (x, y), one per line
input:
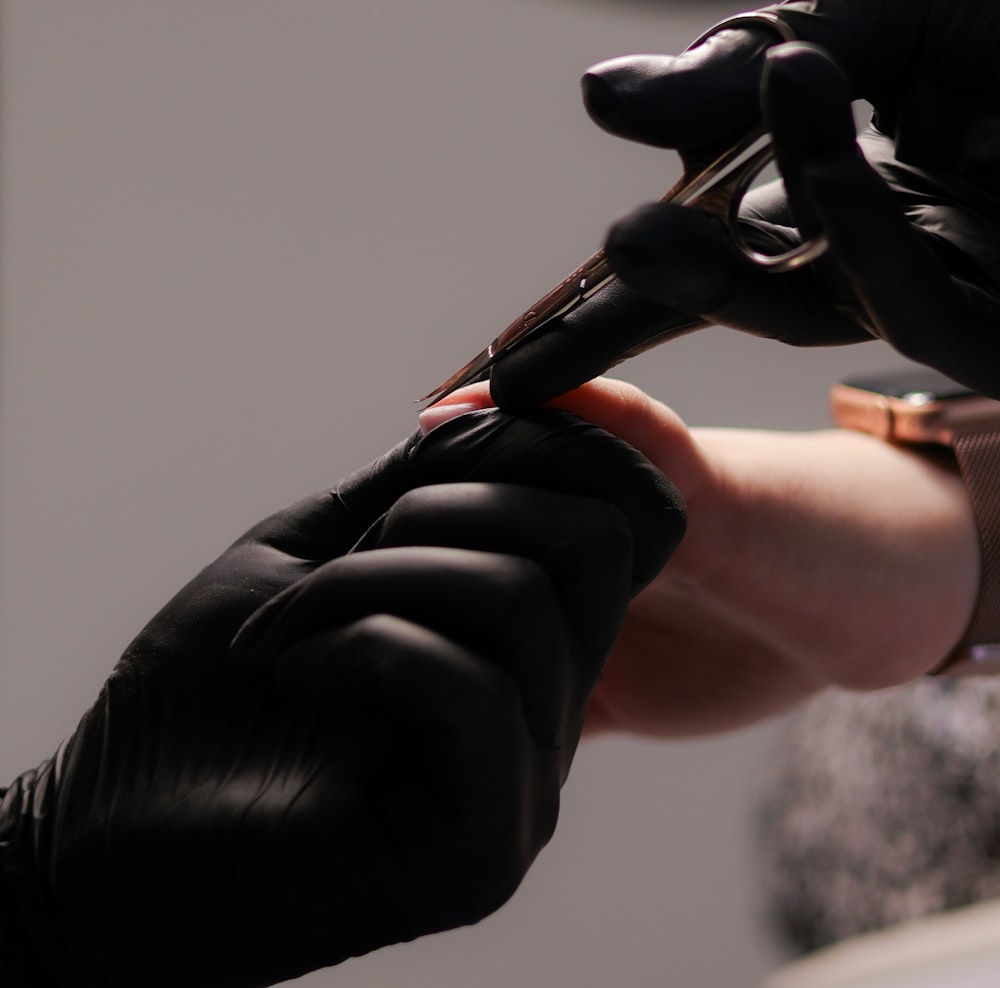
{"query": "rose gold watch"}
(923, 407)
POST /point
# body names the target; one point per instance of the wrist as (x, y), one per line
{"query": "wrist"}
(880, 536)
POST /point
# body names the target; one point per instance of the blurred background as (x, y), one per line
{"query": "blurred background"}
(238, 239)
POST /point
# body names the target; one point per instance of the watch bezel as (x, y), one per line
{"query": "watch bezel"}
(912, 407)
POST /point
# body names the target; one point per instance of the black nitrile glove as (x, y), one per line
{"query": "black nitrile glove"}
(912, 210)
(379, 753)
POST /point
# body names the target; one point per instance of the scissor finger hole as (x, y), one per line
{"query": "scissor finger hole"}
(788, 260)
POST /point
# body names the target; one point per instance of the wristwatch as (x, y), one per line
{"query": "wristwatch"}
(923, 407)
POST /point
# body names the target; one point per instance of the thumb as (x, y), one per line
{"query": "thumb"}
(703, 97)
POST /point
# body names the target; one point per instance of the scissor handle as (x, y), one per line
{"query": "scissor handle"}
(787, 260)
(752, 166)
(718, 188)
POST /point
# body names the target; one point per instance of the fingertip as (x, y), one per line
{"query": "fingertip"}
(804, 64)
(674, 255)
(599, 98)
(615, 95)
(806, 100)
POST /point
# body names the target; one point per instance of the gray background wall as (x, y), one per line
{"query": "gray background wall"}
(238, 238)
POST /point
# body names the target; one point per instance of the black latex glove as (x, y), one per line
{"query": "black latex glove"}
(912, 210)
(377, 756)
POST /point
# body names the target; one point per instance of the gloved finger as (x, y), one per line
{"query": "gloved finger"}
(499, 606)
(924, 66)
(598, 334)
(893, 266)
(584, 545)
(678, 270)
(694, 261)
(685, 258)
(551, 450)
(682, 257)
(458, 788)
(543, 448)
(703, 97)
(671, 259)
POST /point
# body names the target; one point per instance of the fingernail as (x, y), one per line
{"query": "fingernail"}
(431, 418)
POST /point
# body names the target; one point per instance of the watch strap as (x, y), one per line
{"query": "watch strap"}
(978, 456)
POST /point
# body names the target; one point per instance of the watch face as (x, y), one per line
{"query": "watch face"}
(918, 385)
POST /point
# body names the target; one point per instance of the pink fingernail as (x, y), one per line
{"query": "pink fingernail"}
(431, 418)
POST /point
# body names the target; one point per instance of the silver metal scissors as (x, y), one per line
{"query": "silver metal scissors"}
(716, 187)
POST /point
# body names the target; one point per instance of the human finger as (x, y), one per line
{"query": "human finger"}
(701, 97)
(458, 788)
(678, 272)
(608, 328)
(584, 545)
(499, 606)
(554, 451)
(685, 259)
(543, 449)
(895, 268)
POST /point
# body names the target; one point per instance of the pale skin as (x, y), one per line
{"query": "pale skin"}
(812, 560)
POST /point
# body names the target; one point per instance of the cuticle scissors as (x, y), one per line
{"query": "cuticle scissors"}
(716, 188)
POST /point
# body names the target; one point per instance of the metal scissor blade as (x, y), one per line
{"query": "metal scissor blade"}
(710, 181)
(575, 288)
(470, 373)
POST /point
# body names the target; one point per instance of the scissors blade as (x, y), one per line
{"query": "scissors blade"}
(473, 371)
(589, 278)
(698, 181)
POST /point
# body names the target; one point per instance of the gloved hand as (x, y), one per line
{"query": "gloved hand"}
(911, 210)
(377, 755)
